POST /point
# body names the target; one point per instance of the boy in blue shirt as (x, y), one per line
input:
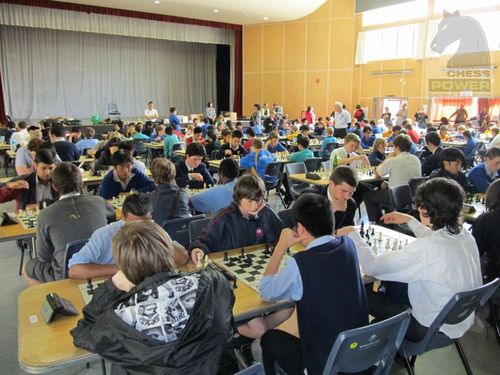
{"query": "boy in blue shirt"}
(303, 153)
(257, 160)
(482, 175)
(368, 137)
(168, 143)
(174, 120)
(273, 145)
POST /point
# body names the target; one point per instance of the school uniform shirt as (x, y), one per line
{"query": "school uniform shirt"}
(239, 151)
(67, 151)
(367, 143)
(85, 144)
(279, 148)
(112, 186)
(175, 122)
(461, 178)
(140, 136)
(432, 162)
(481, 176)
(151, 113)
(182, 176)
(263, 159)
(342, 119)
(168, 144)
(213, 199)
(400, 169)
(469, 148)
(495, 142)
(376, 158)
(301, 155)
(341, 153)
(327, 141)
(436, 266)
(23, 158)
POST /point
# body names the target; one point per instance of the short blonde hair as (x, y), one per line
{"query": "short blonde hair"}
(351, 137)
(329, 131)
(378, 142)
(163, 171)
(141, 248)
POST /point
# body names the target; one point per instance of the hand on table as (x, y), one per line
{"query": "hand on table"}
(195, 176)
(344, 231)
(396, 218)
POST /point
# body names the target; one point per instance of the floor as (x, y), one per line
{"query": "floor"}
(483, 352)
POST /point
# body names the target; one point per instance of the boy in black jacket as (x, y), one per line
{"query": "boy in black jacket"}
(247, 221)
(151, 319)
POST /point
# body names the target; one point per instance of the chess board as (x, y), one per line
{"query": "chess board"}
(117, 202)
(250, 268)
(85, 289)
(382, 239)
(474, 206)
(281, 156)
(365, 173)
(27, 218)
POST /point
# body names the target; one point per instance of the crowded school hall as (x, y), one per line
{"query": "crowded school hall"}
(265, 187)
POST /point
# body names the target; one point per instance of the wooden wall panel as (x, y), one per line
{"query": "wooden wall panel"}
(343, 46)
(252, 48)
(273, 88)
(294, 93)
(273, 47)
(316, 89)
(340, 88)
(322, 13)
(317, 45)
(295, 45)
(252, 93)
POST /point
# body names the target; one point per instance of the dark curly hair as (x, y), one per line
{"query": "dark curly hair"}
(443, 199)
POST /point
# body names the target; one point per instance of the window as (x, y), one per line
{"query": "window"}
(390, 43)
(452, 5)
(395, 13)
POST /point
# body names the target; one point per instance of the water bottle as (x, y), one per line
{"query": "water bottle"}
(13, 144)
(335, 162)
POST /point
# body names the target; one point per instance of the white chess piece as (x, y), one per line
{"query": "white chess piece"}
(387, 244)
(379, 236)
(199, 257)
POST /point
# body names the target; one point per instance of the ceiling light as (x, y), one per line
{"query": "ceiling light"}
(266, 18)
(157, 2)
(216, 10)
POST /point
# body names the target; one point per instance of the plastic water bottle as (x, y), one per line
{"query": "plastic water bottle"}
(13, 144)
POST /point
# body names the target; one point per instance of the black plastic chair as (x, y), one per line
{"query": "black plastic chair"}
(140, 148)
(494, 320)
(414, 183)
(178, 229)
(327, 152)
(313, 164)
(460, 306)
(272, 179)
(296, 187)
(287, 217)
(400, 198)
(362, 348)
(196, 227)
(71, 249)
(113, 111)
(474, 156)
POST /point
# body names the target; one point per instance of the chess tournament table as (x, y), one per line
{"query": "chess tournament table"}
(45, 347)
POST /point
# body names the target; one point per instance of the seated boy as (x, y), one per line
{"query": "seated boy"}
(150, 318)
(124, 177)
(347, 154)
(452, 161)
(191, 172)
(326, 284)
(73, 217)
(368, 137)
(95, 259)
(233, 147)
(258, 159)
(303, 153)
(221, 195)
(482, 175)
(442, 261)
(247, 221)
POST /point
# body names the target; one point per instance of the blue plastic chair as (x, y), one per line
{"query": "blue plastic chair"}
(359, 349)
(460, 306)
(196, 227)
(72, 248)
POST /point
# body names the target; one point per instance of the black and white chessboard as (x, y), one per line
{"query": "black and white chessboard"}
(249, 268)
(28, 219)
(117, 202)
(382, 239)
(88, 288)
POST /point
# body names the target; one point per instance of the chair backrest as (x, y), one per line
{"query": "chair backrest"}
(361, 348)
(313, 164)
(113, 109)
(295, 168)
(176, 147)
(138, 145)
(458, 308)
(400, 198)
(72, 248)
(255, 369)
(331, 146)
(178, 229)
(213, 155)
(287, 217)
(196, 227)
(326, 165)
(414, 183)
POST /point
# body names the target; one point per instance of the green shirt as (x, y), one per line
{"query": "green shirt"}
(300, 156)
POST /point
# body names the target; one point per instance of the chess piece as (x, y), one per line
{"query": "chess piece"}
(362, 229)
(199, 258)
(379, 236)
(226, 258)
(90, 287)
(373, 232)
(387, 244)
(267, 251)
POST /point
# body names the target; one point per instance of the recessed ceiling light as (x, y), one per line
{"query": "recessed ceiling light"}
(157, 2)
(216, 10)
(266, 18)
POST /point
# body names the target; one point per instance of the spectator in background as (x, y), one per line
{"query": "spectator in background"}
(88, 142)
(421, 118)
(482, 175)
(342, 120)
(66, 151)
(386, 116)
(378, 155)
(150, 113)
(359, 114)
(11, 129)
(452, 161)
(256, 117)
(368, 137)
(210, 112)
(310, 115)
(461, 115)
(174, 120)
(20, 137)
(168, 143)
(401, 115)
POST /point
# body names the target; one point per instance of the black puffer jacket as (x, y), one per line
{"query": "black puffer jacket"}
(194, 347)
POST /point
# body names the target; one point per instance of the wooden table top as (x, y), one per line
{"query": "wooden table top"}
(46, 347)
(16, 232)
(154, 145)
(301, 177)
(4, 146)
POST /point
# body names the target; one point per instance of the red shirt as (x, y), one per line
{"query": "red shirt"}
(413, 135)
(247, 145)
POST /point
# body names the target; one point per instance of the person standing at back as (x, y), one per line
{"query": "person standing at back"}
(73, 217)
(342, 120)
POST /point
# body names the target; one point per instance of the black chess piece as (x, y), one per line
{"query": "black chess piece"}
(373, 232)
(266, 250)
(90, 287)
(242, 251)
(362, 229)
(477, 199)
(226, 258)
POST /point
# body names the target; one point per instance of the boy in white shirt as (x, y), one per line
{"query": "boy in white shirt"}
(400, 166)
(150, 113)
(347, 154)
(441, 262)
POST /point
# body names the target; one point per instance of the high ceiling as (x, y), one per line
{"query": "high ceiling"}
(241, 12)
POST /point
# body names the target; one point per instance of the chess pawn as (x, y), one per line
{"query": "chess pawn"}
(21, 213)
(387, 244)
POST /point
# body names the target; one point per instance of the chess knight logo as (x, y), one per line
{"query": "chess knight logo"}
(469, 68)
